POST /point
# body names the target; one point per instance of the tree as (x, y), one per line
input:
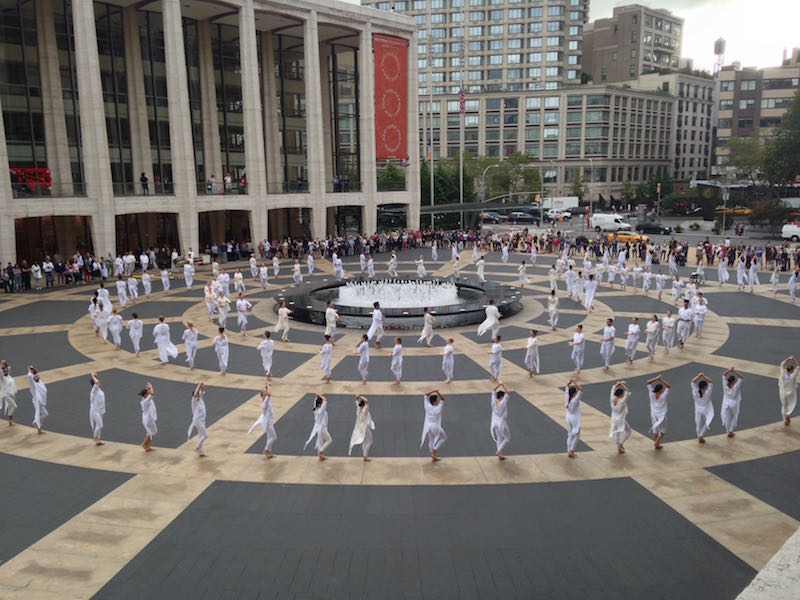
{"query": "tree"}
(746, 157)
(392, 178)
(782, 154)
(771, 212)
(628, 192)
(576, 187)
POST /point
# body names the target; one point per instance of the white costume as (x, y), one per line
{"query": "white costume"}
(253, 267)
(283, 323)
(309, 265)
(276, 266)
(685, 318)
(267, 423)
(371, 268)
(8, 391)
(504, 255)
(39, 399)
(198, 406)
(492, 321)
(320, 429)
(221, 348)
(607, 345)
(376, 329)
(578, 349)
(532, 355)
(188, 274)
(330, 321)
(722, 272)
(263, 275)
(552, 276)
(620, 428)
(731, 403)
(434, 251)
(496, 360)
(480, 266)
(147, 283)
(189, 338)
(753, 275)
(149, 416)
(498, 427)
(432, 430)
(632, 340)
(552, 310)
(115, 324)
(266, 347)
(703, 409)
(242, 306)
(165, 346)
(97, 408)
(238, 282)
(787, 390)
(448, 362)
(573, 418)
(651, 337)
(793, 285)
(420, 267)
(297, 274)
(427, 329)
(122, 293)
(700, 310)
(362, 430)
(396, 365)
(325, 352)
(363, 359)
(135, 330)
(658, 409)
(590, 289)
(668, 332)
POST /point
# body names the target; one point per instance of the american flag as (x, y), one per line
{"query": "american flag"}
(461, 101)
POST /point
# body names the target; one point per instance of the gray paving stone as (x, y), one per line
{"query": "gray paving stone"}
(42, 350)
(44, 312)
(415, 368)
(762, 343)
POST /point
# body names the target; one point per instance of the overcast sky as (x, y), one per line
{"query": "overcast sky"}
(756, 32)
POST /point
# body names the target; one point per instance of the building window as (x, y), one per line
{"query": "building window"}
(746, 104)
(603, 74)
(632, 71)
(726, 86)
(635, 19)
(747, 85)
(551, 102)
(614, 56)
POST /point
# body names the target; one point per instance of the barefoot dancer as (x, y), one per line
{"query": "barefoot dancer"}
(198, 418)
(498, 426)
(432, 430)
(703, 407)
(266, 421)
(362, 431)
(658, 390)
(97, 408)
(620, 428)
(149, 416)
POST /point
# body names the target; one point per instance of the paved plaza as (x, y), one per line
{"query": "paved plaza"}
(113, 521)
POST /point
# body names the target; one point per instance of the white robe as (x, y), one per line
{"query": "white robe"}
(242, 306)
(363, 359)
(607, 346)
(552, 310)
(115, 324)
(147, 284)
(448, 361)
(668, 332)
(330, 321)
(198, 406)
(590, 289)
(165, 346)
(578, 349)
(658, 409)
(651, 336)
(619, 415)
(266, 348)
(283, 322)
(496, 360)
(320, 429)
(189, 338)
(492, 321)
(135, 330)
(97, 408)
(498, 426)
(731, 404)
(221, 348)
(703, 409)
(188, 274)
(427, 329)
(149, 415)
(632, 340)
(481, 265)
(434, 252)
(396, 365)
(267, 423)
(573, 418)
(532, 355)
(325, 352)
(787, 390)
(376, 329)
(420, 267)
(362, 430)
(253, 267)
(8, 391)
(122, 294)
(39, 399)
(432, 429)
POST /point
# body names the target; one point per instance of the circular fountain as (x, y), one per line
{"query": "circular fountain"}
(402, 302)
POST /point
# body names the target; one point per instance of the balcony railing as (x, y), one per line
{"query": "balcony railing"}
(31, 189)
(391, 186)
(127, 188)
(220, 188)
(343, 187)
(287, 187)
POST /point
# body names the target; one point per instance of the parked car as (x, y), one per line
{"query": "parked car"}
(492, 217)
(609, 222)
(557, 215)
(653, 228)
(577, 210)
(791, 231)
(627, 237)
(536, 214)
(519, 216)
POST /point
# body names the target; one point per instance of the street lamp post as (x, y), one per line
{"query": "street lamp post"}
(725, 198)
(483, 181)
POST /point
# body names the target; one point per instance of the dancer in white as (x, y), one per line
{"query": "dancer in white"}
(492, 320)
(795, 276)
(189, 338)
(391, 266)
(283, 321)
(276, 266)
(223, 304)
(651, 336)
(362, 430)
(362, 262)
(685, 318)
(266, 421)
(703, 406)
(420, 267)
(8, 392)
(552, 277)
(362, 349)
(371, 267)
(115, 325)
(238, 282)
(453, 250)
(731, 400)
(242, 306)
(607, 346)
(147, 283)
(668, 331)
(198, 406)
(320, 429)
(427, 328)
(495, 359)
(532, 354)
(752, 277)
(590, 289)
(297, 273)
(787, 388)
(620, 428)
(475, 251)
(658, 390)
(326, 352)
(741, 275)
(266, 348)
(310, 264)
(165, 283)
(166, 349)
(533, 254)
(331, 319)
(432, 430)
(210, 296)
(572, 403)
(552, 309)
(677, 288)
(149, 416)
(122, 292)
(101, 316)
(632, 340)
(448, 363)
(722, 271)
(578, 345)
(220, 345)
(135, 330)
(253, 266)
(522, 274)
(38, 397)
(97, 408)
(376, 328)
(700, 310)
(188, 274)
(660, 280)
(480, 267)
(774, 280)
(396, 366)
(456, 268)
(504, 253)
(263, 276)
(498, 427)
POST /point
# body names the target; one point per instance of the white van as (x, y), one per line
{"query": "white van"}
(600, 222)
(791, 231)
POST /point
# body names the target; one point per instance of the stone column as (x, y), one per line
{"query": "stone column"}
(55, 126)
(255, 164)
(327, 127)
(8, 245)
(94, 138)
(212, 152)
(141, 155)
(272, 139)
(180, 126)
(366, 123)
(316, 144)
(412, 172)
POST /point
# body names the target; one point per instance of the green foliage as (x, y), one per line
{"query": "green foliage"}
(677, 203)
(628, 192)
(782, 154)
(694, 226)
(746, 156)
(678, 229)
(771, 212)
(576, 187)
(392, 178)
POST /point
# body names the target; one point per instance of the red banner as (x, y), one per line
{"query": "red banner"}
(391, 96)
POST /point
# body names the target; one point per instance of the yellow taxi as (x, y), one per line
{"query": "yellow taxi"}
(738, 211)
(627, 237)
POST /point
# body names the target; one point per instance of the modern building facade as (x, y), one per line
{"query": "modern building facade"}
(693, 131)
(606, 134)
(186, 123)
(635, 40)
(752, 102)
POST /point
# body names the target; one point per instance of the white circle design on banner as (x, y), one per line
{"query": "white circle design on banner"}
(391, 103)
(391, 137)
(390, 65)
